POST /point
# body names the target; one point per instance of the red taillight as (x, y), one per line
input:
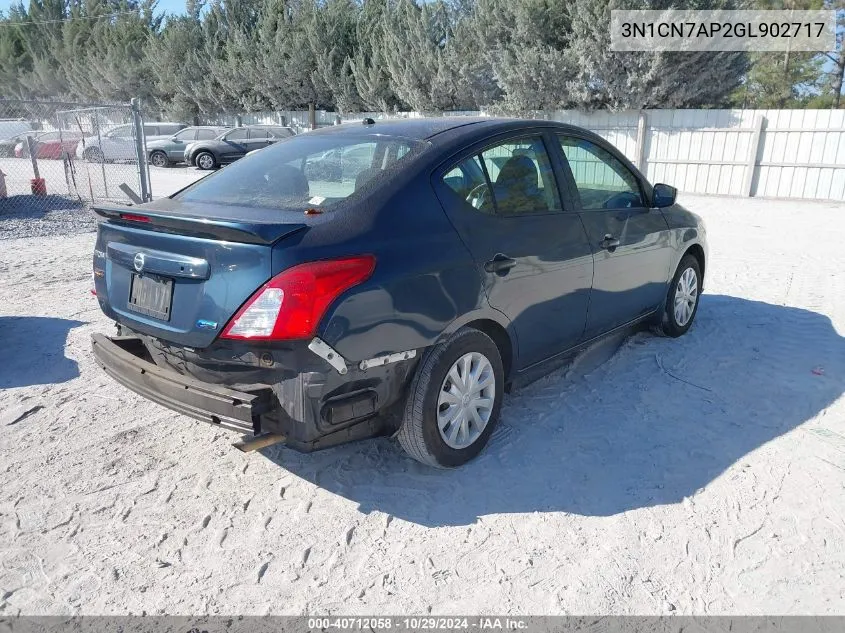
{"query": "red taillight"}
(291, 304)
(134, 217)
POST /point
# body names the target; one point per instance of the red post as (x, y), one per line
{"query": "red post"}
(38, 186)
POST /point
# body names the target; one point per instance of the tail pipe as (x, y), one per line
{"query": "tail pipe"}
(257, 443)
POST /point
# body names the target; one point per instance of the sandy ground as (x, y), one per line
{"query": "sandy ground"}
(691, 476)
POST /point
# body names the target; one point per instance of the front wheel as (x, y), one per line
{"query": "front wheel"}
(205, 160)
(454, 400)
(682, 299)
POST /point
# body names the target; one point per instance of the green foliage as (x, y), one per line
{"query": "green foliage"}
(231, 56)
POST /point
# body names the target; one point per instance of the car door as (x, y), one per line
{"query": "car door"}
(259, 138)
(503, 199)
(630, 240)
(176, 145)
(234, 145)
(48, 145)
(119, 143)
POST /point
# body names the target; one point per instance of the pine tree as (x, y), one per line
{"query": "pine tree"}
(622, 80)
(368, 65)
(414, 49)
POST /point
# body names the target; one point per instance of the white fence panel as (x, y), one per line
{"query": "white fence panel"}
(768, 153)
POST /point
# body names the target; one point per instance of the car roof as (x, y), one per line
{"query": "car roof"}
(438, 129)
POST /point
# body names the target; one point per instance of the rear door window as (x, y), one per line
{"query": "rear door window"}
(280, 132)
(510, 178)
(238, 134)
(522, 178)
(206, 135)
(468, 182)
(170, 128)
(150, 130)
(186, 135)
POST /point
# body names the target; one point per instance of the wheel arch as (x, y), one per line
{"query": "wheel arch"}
(494, 326)
(697, 251)
(197, 151)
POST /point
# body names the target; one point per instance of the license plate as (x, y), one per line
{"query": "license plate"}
(151, 295)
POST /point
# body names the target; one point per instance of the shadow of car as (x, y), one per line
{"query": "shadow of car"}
(657, 423)
(19, 367)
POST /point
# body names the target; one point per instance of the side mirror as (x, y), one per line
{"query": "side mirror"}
(664, 195)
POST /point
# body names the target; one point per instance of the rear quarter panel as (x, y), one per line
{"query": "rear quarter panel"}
(424, 280)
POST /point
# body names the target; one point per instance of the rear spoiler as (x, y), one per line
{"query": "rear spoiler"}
(218, 229)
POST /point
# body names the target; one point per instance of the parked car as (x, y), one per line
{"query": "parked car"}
(467, 256)
(49, 144)
(234, 144)
(118, 142)
(163, 152)
(7, 145)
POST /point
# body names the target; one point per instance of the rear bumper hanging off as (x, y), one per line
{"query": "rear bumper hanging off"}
(123, 359)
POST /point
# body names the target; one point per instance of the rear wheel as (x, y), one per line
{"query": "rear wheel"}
(159, 159)
(682, 300)
(454, 401)
(205, 160)
(93, 155)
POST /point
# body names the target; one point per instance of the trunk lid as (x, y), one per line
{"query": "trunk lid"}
(211, 259)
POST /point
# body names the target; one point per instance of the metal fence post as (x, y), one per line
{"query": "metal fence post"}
(753, 152)
(143, 170)
(641, 129)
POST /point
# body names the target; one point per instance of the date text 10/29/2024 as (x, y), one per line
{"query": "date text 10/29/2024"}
(423, 623)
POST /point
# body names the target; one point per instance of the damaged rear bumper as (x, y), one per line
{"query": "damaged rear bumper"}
(122, 358)
(292, 391)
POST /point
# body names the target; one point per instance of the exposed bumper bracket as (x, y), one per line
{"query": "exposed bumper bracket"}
(327, 353)
(387, 359)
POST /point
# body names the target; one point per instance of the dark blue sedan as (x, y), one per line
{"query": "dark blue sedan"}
(402, 291)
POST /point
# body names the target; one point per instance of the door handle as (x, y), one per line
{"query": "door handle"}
(609, 242)
(500, 263)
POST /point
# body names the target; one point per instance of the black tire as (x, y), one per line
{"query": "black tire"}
(159, 159)
(205, 160)
(93, 155)
(669, 324)
(419, 434)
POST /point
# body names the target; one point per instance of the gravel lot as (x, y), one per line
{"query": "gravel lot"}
(694, 476)
(60, 213)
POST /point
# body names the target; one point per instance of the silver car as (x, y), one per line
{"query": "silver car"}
(164, 152)
(234, 144)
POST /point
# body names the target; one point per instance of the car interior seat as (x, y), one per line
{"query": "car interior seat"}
(516, 189)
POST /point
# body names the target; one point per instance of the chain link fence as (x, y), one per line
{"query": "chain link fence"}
(56, 159)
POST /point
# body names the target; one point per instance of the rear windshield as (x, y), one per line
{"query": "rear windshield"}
(304, 171)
